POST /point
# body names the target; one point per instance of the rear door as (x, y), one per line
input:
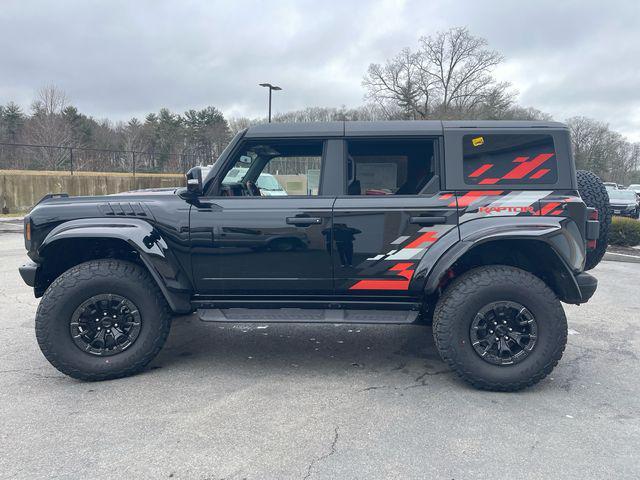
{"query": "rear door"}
(391, 215)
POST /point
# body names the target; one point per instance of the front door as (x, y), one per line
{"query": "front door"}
(392, 214)
(266, 230)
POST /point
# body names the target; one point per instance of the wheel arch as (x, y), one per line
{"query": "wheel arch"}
(75, 242)
(537, 253)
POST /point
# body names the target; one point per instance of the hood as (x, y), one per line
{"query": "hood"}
(147, 191)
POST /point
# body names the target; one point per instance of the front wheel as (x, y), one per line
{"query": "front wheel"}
(102, 319)
(500, 328)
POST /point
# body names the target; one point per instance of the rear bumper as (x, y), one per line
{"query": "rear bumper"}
(587, 285)
(28, 273)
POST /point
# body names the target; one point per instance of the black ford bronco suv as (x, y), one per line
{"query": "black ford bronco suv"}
(480, 227)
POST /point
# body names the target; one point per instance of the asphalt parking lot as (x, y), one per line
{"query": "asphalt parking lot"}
(321, 402)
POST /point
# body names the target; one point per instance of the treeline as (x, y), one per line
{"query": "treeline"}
(607, 153)
(448, 76)
(162, 142)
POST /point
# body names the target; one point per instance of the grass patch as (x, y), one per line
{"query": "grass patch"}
(15, 214)
(624, 232)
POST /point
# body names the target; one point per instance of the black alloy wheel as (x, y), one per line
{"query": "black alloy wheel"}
(105, 324)
(503, 333)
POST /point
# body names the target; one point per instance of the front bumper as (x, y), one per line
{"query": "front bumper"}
(587, 285)
(28, 272)
(623, 211)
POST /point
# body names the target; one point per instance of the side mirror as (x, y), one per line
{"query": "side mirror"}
(194, 181)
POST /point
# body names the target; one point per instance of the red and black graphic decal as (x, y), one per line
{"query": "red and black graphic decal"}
(402, 273)
(509, 159)
(402, 260)
(551, 208)
(497, 203)
(557, 204)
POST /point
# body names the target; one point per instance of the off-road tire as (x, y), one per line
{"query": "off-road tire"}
(460, 303)
(595, 195)
(81, 282)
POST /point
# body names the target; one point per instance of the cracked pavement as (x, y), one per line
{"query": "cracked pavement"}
(321, 402)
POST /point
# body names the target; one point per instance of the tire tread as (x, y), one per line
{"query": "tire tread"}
(595, 195)
(447, 311)
(84, 272)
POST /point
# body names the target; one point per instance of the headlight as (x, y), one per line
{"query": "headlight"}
(27, 232)
(27, 229)
(631, 206)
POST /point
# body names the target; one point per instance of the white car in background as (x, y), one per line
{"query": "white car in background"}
(269, 186)
(267, 183)
(635, 187)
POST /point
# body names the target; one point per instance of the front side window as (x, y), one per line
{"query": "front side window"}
(509, 159)
(275, 168)
(389, 167)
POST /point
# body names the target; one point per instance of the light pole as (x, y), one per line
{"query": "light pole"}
(271, 88)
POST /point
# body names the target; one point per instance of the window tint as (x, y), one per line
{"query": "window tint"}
(508, 159)
(389, 167)
(275, 168)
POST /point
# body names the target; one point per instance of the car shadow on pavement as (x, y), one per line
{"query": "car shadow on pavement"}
(318, 349)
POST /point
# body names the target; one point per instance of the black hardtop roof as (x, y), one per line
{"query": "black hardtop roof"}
(386, 127)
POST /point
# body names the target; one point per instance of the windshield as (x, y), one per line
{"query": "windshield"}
(230, 146)
(622, 195)
(268, 182)
(635, 186)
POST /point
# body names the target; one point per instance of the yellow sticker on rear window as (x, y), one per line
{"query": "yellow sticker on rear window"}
(476, 142)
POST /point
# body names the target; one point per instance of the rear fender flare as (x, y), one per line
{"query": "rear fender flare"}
(145, 240)
(561, 235)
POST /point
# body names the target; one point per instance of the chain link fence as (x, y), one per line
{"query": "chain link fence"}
(79, 159)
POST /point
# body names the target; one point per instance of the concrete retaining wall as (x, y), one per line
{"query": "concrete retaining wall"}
(21, 189)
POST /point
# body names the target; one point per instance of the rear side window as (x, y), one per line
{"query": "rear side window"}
(509, 159)
(389, 166)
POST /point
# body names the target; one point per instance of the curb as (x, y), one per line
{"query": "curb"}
(621, 257)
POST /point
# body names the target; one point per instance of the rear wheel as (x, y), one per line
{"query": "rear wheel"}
(102, 319)
(595, 195)
(500, 328)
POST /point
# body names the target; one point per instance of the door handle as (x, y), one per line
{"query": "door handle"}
(428, 220)
(304, 221)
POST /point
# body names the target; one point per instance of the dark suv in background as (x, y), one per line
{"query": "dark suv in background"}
(624, 203)
(481, 228)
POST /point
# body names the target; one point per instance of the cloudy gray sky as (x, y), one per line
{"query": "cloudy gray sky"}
(120, 59)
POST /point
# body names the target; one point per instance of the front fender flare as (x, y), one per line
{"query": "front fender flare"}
(145, 240)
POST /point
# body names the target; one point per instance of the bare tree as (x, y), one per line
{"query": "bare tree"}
(47, 126)
(401, 84)
(50, 100)
(599, 149)
(449, 76)
(368, 112)
(237, 124)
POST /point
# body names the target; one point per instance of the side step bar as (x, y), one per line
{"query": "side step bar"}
(303, 315)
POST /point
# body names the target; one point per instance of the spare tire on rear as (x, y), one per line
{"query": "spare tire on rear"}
(595, 195)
